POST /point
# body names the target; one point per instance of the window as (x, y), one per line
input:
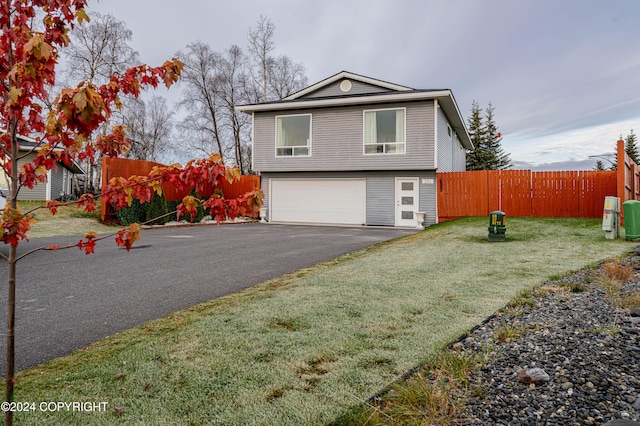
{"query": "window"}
(384, 131)
(293, 136)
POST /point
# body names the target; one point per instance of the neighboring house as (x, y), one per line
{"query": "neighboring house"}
(356, 150)
(59, 179)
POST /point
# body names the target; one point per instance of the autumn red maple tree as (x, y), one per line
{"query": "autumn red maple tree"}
(31, 34)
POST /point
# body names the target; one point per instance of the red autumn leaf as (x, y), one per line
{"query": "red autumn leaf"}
(89, 247)
(189, 205)
(52, 205)
(15, 225)
(127, 236)
(87, 202)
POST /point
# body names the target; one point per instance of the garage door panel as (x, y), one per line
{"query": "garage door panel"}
(321, 201)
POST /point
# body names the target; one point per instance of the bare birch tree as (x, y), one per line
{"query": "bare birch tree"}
(150, 127)
(215, 83)
(278, 76)
(285, 77)
(98, 50)
(234, 89)
(202, 128)
(260, 46)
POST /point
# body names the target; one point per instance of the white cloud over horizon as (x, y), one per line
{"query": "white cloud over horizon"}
(563, 77)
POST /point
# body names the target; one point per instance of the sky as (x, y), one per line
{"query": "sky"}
(562, 75)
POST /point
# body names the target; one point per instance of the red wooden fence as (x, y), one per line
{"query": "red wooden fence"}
(524, 193)
(123, 167)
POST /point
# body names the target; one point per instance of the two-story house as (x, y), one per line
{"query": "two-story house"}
(355, 150)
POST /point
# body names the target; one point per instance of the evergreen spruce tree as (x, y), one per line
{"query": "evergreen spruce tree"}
(599, 165)
(476, 156)
(497, 159)
(487, 152)
(631, 148)
(158, 207)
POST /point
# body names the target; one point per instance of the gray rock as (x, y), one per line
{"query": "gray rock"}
(621, 422)
(580, 339)
(536, 376)
(635, 312)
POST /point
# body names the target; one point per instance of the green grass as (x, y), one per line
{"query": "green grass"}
(69, 220)
(309, 347)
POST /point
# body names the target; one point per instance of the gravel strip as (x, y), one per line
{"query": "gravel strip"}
(588, 348)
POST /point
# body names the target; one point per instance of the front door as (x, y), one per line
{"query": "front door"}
(407, 201)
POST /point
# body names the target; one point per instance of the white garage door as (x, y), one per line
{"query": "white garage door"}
(319, 201)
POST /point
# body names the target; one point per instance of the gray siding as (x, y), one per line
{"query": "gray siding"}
(337, 141)
(57, 182)
(445, 144)
(451, 154)
(39, 192)
(357, 88)
(380, 191)
(459, 156)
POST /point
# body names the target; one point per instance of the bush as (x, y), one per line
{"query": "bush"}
(157, 207)
(199, 211)
(135, 213)
(172, 206)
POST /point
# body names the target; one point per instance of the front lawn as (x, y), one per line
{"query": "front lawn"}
(69, 220)
(305, 348)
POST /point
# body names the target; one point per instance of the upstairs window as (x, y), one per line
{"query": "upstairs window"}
(293, 136)
(384, 131)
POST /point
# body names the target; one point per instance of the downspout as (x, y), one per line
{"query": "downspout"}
(47, 195)
(435, 133)
(435, 151)
(253, 129)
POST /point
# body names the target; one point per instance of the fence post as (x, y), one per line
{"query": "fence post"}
(105, 180)
(622, 168)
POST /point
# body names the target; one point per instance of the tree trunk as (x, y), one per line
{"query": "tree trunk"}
(11, 282)
(11, 318)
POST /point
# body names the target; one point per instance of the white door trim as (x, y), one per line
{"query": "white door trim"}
(402, 197)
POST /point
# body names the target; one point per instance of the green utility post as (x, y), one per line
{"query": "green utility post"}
(497, 226)
(631, 211)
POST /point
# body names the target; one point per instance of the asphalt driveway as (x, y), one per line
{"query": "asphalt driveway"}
(67, 300)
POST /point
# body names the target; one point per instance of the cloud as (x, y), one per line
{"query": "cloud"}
(588, 164)
(557, 72)
(573, 145)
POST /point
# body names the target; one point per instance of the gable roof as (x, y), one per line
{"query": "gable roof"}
(393, 93)
(27, 144)
(348, 75)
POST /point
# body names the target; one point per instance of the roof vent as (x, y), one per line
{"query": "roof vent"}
(345, 86)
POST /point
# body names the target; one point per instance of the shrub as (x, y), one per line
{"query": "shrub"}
(135, 213)
(199, 212)
(157, 207)
(172, 206)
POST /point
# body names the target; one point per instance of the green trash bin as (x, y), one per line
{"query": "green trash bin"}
(631, 211)
(497, 226)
